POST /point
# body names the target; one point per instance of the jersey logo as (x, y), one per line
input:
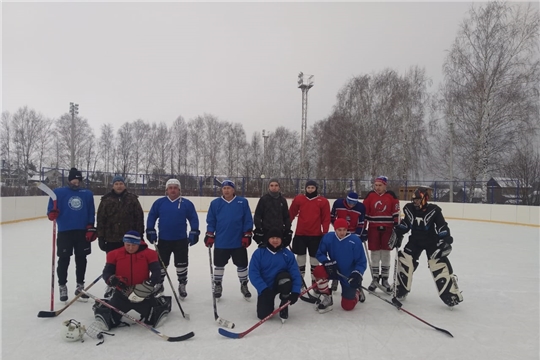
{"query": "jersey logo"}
(75, 203)
(378, 205)
(419, 220)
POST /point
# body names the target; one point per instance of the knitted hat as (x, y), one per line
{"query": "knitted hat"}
(311, 183)
(352, 198)
(227, 183)
(118, 178)
(274, 233)
(172, 182)
(340, 223)
(132, 237)
(74, 174)
(382, 179)
(274, 180)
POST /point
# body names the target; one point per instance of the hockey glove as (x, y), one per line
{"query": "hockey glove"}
(395, 240)
(355, 280)
(141, 292)
(102, 244)
(151, 235)
(194, 237)
(53, 214)
(443, 248)
(209, 239)
(363, 237)
(331, 269)
(246, 239)
(91, 233)
(258, 236)
(293, 297)
(287, 238)
(117, 282)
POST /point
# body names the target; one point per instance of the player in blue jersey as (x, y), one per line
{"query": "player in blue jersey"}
(273, 270)
(75, 215)
(173, 212)
(343, 258)
(229, 227)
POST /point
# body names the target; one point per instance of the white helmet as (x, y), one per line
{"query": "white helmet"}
(172, 182)
(72, 330)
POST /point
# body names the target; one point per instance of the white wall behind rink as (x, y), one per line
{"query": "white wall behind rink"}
(15, 209)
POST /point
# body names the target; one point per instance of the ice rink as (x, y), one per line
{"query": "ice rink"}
(497, 266)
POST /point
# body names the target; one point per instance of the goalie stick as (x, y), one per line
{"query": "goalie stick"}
(41, 186)
(219, 320)
(46, 314)
(233, 335)
(186, 336)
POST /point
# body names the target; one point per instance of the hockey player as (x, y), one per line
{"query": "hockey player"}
(273, 270)
(134, 271)
(382, 214)
(229, 226)
(353, 212)
(272, 211)
(429, 232)
(341, 255)
(313, 211)
(75, 216)
(173, 212)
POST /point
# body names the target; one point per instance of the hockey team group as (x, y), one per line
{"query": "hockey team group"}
(135, 273)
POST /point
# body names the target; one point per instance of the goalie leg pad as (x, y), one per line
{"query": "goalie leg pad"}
(446, 281)
(405, 274)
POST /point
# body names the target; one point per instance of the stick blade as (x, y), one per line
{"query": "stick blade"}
(445, 331)
(46, 314)
(189, 335)
(229, 334)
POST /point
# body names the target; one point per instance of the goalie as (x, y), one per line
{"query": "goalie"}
(429, 232)
(134, 272)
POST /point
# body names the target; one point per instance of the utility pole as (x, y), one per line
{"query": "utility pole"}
(265, 160)
(74, 110)
(305, 83)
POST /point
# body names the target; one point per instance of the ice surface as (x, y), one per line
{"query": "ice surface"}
(497, 265)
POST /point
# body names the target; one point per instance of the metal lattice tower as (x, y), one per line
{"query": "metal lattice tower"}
(305, 82)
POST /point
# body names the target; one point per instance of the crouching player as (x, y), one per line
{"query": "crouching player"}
(343, 258)
(273, 270)
(133, 271)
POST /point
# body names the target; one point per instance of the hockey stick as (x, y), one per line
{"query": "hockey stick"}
(146, 326)
(233, 335)
(371, 270)
(310, 299)
(395, 303)
(219, 320)
(52, 195)
(46, 314)
(186, 316)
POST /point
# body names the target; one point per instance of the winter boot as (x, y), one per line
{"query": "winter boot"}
(80, 287)
(182, 290)
(374, 283)
(245, 291)
(324, 303)
(386, 285)
(63, 293)
(218, 289)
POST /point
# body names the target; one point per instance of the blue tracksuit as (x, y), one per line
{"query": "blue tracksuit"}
(173, 217)
(229, 220)
(265, 265)
(76, 208)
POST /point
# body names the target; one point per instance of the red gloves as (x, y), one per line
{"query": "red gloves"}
(91, 233)
(53, 214)
(209, 239)
(246, 239)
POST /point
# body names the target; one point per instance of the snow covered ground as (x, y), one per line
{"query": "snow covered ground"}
(497, 265)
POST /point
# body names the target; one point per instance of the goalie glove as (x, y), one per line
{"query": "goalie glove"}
(443, 248)
(141, 292)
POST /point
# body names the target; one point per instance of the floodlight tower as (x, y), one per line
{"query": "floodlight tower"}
(74, 110)
(305, 82)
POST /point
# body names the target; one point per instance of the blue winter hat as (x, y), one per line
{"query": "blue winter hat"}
(228, 183)
(352, 198)
(132, 237)
(118, 178)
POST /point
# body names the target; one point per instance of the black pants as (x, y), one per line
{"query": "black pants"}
(265, 301)
(238, 255)
(302, 244)
(67, 243)
(179, 248)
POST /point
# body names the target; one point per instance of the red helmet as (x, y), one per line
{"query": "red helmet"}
(421, 196)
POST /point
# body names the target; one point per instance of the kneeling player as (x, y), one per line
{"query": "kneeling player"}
(429, 232)
(128, 270)
(273, 270)
(343, 258)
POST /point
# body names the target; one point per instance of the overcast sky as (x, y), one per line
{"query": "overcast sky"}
(238, 61)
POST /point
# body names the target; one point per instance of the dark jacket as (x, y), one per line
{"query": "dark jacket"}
(117, 214)
(272, 213)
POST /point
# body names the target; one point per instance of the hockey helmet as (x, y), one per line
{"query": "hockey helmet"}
(72, 330)
(420, 198)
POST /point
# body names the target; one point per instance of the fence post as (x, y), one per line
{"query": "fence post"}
(200, 186)
(243, 186)
(435, 191)
(324, 187)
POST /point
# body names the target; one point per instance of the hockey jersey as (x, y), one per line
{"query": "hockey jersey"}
(265, 265)
(76, 208)
(173, 216)
(313, 215)
(348, 253)
(229, 220)
(354, 215)
(382, 210)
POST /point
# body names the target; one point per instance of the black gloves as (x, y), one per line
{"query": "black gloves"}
(258, 236)
(293, 297)
(355, 280)
(331, 269)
